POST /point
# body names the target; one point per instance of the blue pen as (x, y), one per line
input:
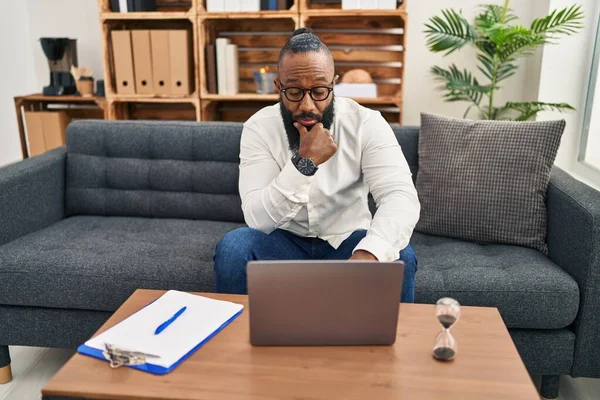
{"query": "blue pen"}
(168, 322)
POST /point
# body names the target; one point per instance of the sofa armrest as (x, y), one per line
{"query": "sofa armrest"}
(574, 244)
(32, 194)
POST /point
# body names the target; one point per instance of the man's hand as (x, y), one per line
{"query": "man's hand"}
(316, 144)
(363, 255)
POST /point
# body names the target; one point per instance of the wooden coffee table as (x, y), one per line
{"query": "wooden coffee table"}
(228, 367)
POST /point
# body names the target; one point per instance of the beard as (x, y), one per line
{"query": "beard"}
(289, 118)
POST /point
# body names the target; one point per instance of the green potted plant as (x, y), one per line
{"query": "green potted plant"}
(500, 41)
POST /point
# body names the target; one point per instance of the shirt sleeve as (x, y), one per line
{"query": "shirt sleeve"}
(271, 196)
(388, 176)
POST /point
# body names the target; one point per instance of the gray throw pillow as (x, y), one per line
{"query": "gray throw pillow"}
(486, 181)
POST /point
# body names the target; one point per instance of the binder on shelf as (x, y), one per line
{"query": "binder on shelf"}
(142, 61)
(351, 4)
(221, 52)
(161, 69)
(282, 4)
(233, 5)
(211, 69)
(273, 5)
(192, 321)
(387, 4)
(179, 62)
(264, 5)
(123, 60)
(144, 5)
(233, 78)
(215, 5)
(250, 5)
(114, 5)
(126, 6)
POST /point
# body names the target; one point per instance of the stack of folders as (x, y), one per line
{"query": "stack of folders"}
(370, 4)
(167, 331)
(152, 62)
(222, 67)
(247, 5)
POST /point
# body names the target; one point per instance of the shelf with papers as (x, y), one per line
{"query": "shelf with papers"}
(313, 6)
(293, 9)
(165, 9)
(116, 16)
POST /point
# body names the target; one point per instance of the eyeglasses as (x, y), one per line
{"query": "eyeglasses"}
(317, 93)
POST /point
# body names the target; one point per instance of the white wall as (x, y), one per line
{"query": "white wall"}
(15, 74)
(564, 78)
(420, 92)
(26, 70)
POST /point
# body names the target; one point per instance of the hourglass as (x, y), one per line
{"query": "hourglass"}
(447, 311)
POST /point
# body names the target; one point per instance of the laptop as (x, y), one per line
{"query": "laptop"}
(324, 303)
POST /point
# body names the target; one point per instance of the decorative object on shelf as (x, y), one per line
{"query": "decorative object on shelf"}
(61, 54)
(447, 311)
(83, 80)
(500, 42)
(264, 80)
(356, 83)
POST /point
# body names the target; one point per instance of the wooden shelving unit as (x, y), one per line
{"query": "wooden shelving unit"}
(373, 40)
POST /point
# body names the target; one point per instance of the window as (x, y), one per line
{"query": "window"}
(589, 152)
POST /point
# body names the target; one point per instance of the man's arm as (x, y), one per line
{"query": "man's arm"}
(270, 196)
(390, 181)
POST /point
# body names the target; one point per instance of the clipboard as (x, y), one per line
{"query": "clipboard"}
(108, 346)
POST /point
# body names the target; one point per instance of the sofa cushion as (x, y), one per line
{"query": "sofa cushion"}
(155, 169)
(529, 290)
(486, 181)
(96, 263)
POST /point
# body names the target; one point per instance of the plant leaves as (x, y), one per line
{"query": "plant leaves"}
(449, 33)
(566, 21)
(460, 85)
(530, 109)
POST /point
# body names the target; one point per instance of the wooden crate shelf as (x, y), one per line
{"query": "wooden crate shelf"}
(372, 40)
(155, 109)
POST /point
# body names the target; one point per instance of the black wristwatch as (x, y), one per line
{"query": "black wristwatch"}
(306, 166)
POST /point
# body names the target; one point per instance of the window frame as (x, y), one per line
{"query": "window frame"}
(592, 82)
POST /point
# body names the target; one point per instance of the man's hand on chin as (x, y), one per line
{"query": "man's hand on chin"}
(363, 255)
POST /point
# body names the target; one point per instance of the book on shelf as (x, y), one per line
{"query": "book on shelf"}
(211, 69)
(232, 5)
(132, 5)
(232, 65)
(221, 53)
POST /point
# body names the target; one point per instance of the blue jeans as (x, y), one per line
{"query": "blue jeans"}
(238, 247)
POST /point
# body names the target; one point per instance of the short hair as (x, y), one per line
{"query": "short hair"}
(303, 41)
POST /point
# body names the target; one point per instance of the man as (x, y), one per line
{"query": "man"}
(307, 166)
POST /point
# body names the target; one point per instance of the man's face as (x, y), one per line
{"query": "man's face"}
(305, 70)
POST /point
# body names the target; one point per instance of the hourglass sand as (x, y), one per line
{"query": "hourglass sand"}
(447, 311)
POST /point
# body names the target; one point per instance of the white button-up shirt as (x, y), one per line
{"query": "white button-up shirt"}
(331, 204)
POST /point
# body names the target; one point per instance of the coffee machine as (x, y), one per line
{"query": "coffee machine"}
(61, 54)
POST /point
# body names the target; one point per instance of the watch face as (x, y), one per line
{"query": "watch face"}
(306, 166)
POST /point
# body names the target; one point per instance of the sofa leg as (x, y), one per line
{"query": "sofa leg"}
(5, 371)
(549, 389)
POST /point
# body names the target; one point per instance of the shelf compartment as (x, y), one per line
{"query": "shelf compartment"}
(232, 110)
(155, 109)
(258, 46)
(336, 6)
(112, 25)
(376, 45)
(164, 9)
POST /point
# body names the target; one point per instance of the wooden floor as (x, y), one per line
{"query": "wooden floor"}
(34, 366)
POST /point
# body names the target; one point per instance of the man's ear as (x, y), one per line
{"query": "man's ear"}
(277, 84)
(335, 79)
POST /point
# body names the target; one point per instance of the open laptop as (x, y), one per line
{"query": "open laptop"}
(324, 302)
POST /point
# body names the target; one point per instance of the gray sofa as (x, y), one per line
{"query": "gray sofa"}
(130, 205)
